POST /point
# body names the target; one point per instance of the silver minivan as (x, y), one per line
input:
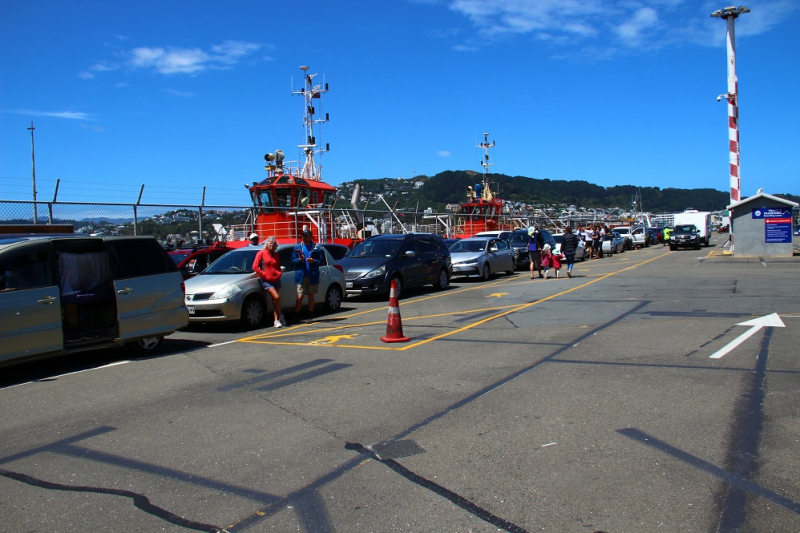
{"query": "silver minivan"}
(67, 294)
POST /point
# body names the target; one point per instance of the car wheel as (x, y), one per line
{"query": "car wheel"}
(442, 281)
(252, 312)
(399, 286)
(147, 345)
(485, 273)
(333, 299)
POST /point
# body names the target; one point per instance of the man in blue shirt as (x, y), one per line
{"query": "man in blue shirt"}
(306, 258)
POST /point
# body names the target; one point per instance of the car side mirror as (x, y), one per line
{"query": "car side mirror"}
(283, 269)
(493, 249)
(410, 253)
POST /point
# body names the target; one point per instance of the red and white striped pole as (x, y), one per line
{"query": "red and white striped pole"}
(730, 14)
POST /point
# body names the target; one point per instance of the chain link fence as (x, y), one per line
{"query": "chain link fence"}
(193, 223)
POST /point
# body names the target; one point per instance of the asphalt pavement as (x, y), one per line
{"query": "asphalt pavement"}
(653, 391)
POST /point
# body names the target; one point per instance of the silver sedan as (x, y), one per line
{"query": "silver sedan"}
(481, 257)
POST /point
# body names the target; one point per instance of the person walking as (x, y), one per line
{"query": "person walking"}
(667, 232)
(569, 247)
(306, 258)
(268, 267)
(535, 245)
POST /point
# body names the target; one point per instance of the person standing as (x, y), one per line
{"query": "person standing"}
(667, 232)
(570, 246)
(268, 267)
(306, 258)
(535, 245)
(587, 242)
(597, 243)
(253, 239)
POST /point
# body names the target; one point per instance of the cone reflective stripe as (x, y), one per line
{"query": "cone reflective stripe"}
(394, 325)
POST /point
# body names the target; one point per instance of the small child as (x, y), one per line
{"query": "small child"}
(551, 259)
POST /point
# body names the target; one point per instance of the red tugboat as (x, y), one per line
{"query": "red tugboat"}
(293, 195)
(483, 210)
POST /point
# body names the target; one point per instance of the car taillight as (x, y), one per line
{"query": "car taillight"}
(339, 268)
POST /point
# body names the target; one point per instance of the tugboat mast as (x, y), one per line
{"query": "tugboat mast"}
(309, 92)
(485, 163)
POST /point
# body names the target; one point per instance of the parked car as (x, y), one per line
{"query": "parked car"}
(518, 239)
(613, 243)
(61, 295)
(580, 251)
(659, 232)
(193, 260)
(481, 257)
(684, 235)
(412, 260)
(337, 251)
(651, 236)
(625, 233)
(229, 289)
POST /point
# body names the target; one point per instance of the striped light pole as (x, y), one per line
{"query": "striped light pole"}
(730, 14)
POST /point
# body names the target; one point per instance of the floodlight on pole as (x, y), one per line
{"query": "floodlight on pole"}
(730, 14)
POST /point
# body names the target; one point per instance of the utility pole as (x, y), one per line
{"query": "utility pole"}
(33, 170)
(730, 14)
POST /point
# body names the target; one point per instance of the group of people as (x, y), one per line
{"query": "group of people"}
(306, 258)
(593, 237)
(542, 256)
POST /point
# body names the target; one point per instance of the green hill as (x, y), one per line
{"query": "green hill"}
(450, 187)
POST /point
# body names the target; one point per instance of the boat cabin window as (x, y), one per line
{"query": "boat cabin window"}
(283, 197)
(303, 196)
(328, 198)
(264, 199)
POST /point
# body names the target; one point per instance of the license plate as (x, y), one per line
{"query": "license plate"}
(191, 310)
(348, 284)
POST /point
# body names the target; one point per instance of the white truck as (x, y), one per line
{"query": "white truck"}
(701, 220)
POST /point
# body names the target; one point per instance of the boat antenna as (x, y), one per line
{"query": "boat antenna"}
(485, 163)
(311, 92)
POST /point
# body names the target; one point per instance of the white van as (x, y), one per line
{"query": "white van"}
(700, 219)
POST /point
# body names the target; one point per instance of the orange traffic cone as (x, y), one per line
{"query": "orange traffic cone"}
(394, 326)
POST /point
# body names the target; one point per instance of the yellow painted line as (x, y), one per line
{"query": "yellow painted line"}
(525, 306)
(303, 329)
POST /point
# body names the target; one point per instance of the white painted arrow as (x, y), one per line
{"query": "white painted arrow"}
(767, 321)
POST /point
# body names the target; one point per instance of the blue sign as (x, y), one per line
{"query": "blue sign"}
(772, 212)
(778, 231)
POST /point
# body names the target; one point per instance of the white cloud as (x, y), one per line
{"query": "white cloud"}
(73, 115)
(613, 26)
(443, 153)
(175, 60)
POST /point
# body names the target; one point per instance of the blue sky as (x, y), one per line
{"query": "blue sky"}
(181, 95)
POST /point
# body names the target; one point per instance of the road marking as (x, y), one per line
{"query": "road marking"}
(768, 321)
(333, 339)
(497, 294)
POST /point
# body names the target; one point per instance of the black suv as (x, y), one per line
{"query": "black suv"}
(519, 242)
(413, 260)
(684, 235)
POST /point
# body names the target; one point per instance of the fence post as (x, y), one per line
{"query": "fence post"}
(135, 220)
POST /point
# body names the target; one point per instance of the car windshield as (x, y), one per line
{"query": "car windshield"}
(519, 237)
(233, 263)
(689, 228)
(468, 246)
(177, 258)
(376, 248)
